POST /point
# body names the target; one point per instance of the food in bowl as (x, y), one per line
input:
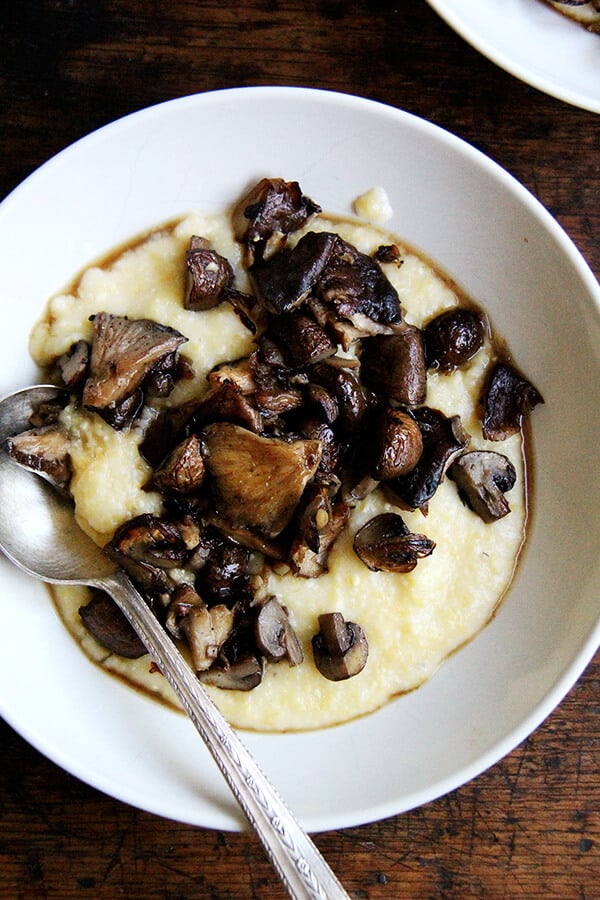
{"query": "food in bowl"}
(585, 12)
(303, 443)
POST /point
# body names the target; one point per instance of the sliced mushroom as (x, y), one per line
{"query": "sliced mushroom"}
(145, 547)
(108, 625)
(340, 648)
(393, 365)
(244, 674)
(223, 575)
(444, 438)
(44, 450)
(225, 402)
(453, 338)
(256, 482)
(124, 351)
(482, 478)
(205, 629)
(183, 470)
(208, 275)
(267, 214)
(507, 397)
(319, 525)
(398, 444)
(275, 637)
(386, 544)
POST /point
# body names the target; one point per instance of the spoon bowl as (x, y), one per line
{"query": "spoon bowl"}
(40, 535)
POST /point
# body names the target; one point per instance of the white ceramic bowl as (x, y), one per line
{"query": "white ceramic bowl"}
(495, 239)
(532, 41)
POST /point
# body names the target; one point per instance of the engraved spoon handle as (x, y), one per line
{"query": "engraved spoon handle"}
(302, 869)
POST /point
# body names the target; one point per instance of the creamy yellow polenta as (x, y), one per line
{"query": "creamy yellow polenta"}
(412, 621)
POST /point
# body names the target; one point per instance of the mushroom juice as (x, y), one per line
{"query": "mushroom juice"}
(302, 443)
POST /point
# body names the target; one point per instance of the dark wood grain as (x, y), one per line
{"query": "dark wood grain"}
(530, 826)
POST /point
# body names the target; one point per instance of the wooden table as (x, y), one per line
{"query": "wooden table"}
(530, 826)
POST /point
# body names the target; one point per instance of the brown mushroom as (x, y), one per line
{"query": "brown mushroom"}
(302, 340)
(208, 275)
(109, 626)
(267, 214)
(343, 385)
(340, 648)
(244, 674)
(453, 338)
(398, 444)
(145, 547)
(256, 482)
(44, 450)
(73, 364)
(274, 633)
(482, 478)
(124, 352)
(386, 544)
(444, 438)
(284, 281)
(356, 286)
(393, 365)
(507, 397)
(183, 470)
(320, 523)
(205, 629)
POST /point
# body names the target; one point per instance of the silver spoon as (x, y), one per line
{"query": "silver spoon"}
(39, 534)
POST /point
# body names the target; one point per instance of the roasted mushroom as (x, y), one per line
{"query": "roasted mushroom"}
(204, 629)
(145, 547)
(507, 397)
(267, 214)
(394, 365)
(482, 478)
(44, 450)
(124, 352)
(73, 364)
(108, 625)
(244, 674)
(208, 275)
(256, 482)
(443, 440)
(453, 338)
(275, 637)
(386, 544)
(302, 340)
(320, 522)
(183, 470)
(284, 281)
(398, 444)
(340, 648)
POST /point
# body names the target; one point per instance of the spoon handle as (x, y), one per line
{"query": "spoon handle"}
(300, 865)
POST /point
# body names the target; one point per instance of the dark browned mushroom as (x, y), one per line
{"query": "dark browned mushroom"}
(225, 402)
(482, 478)
(340, 648)
(284, 281)
(274, 633)
(444, 438)
(145, 547)
(507, 397)
(320, 522)
(302, 340)
(393, 365)
(386, 544)
(453, 338)
(267, 214)
(208, 275)
(344, 386)
(357, 287)
(222, 569)
(183, 470)
(109, 626)
(124, 352)
(45, 450)
(256, 482)
(398, 444)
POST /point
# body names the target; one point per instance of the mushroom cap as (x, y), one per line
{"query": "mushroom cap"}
(340, 648)
(386, 544)
(256, 482)
(482, 478)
